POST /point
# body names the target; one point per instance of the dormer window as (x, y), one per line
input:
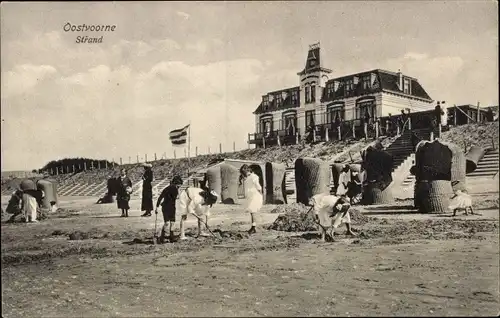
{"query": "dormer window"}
(265, 101)
(336, 85)
(365, 82)
(406, 86)
(330, 90)
(295, 97)
(349, 86)
(279, 100)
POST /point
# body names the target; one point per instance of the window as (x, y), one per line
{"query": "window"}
(406, 88)
(290, 123)
(365, 82)
(266, 125)
(310, 118)
(349, 86)
(333, 112)
(313, 93)
(295, 97)
(308, 97)
(330, 91)
(279, 100)
(362, 107)
(265, 102)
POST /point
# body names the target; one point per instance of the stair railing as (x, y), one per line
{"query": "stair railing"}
(406, 123)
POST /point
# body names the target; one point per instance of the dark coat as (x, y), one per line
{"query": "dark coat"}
(122, 197)
(147, 191)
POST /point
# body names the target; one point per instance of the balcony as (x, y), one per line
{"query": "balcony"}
(347, 129)
(274, 138)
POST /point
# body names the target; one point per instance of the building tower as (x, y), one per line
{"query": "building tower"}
(312, 81)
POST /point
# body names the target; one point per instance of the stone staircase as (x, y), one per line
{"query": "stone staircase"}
(162, 184)
(402, 147)
(92, 188)
(291, 193)
(100, 190)
(487, 166)
(483, 180)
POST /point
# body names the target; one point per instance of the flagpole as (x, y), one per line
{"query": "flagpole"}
(189, 147)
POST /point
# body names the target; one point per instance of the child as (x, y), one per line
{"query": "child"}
(253, 194)
(167, 200)
(196, 201)
(461, 201)
(330, 211)
(124, 191)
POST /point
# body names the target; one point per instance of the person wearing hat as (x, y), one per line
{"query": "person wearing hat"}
(196, 201)
(123, 192)
(167, 200)
(147, 190)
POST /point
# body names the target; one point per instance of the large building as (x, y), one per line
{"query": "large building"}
(320, 101)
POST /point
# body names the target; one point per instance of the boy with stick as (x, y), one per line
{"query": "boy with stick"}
(167, 200)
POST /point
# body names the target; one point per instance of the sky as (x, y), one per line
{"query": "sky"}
(171, 63)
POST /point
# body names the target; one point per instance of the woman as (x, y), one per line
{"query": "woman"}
(344, 179)
(330, 211)
(147, 190)
(124, 191)
(253, 194)
(198, 202)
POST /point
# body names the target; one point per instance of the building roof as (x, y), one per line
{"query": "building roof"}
(387, 81)
(285, 104)
(314, 57)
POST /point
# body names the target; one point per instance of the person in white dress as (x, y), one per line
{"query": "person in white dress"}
(29, 204)
(195, 201)
(330, 211)
(344, 179)
(461, 201)
(253, 194)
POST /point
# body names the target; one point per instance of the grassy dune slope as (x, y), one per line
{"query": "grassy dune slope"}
(482, 135)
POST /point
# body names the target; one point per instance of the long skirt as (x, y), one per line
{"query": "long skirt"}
(122, 201)
(329, 218)
(147, 197)
(29, 207)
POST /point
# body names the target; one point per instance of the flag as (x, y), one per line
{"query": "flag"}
(179, 137)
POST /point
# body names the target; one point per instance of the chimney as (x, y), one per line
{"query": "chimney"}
(400, 80)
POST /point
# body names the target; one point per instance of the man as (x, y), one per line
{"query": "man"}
(355, 187)
(330, 211)
(490, 116)
(167, 200)
(196, 201)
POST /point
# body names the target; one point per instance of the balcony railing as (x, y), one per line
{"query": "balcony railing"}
(276, 137)
(356, 128)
